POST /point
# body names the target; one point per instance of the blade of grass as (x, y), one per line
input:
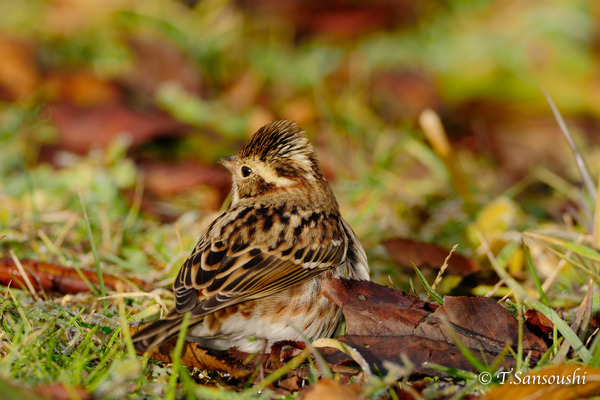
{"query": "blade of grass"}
(564, 329)
(500, 357)
(595, 348)
(125, 329)
(348, 350)
(519, 332)
(464, 350)
(22, 314)
(23, 274)
(54, 250)
(586, 176)
(577, 248)
(500, 267)
(100, 372)
(453, 372)
(94, 251)
(573, 262)
(82, 353)
(584, 313)
(281, 371)
(559, 323)
(187, 383)
(320, 360)
(582, 319)
(172, 385)
(555, 344)
(136, 204)
(428, 288)
(536, 278)
(596, 222)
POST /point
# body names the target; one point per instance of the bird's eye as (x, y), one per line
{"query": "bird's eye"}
(246, 171)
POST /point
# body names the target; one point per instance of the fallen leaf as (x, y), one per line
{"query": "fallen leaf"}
(158, 61)
(594, 321)
(242, 365)
(168, 179)
(481, 323)
(421, 352)
(57, 279)
(19, 75)
(82, 88)
(404, 94)
(427, 255)
(80, 128)
(230, 362)
(384, 323)
(333, 18)
(328, 389)
(62, 391)
(375, 310)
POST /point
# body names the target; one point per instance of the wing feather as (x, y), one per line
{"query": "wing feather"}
(221, 273)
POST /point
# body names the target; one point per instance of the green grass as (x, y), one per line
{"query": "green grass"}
(389, 180)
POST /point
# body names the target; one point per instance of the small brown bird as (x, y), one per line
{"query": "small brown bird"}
(255, 275)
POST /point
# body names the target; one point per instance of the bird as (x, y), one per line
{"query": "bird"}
(255, 276)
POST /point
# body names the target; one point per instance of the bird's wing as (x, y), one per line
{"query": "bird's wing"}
(223, 271)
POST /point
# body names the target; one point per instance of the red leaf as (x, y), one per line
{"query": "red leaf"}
(167, 179)
(80, 128)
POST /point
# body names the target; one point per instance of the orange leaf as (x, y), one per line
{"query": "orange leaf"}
(328, 389)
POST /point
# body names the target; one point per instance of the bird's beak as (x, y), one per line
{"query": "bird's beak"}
(229, 163)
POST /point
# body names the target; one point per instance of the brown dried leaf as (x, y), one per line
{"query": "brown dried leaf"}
(481, 323)
(230, 362)
(404, 94)
(332, 17)
(536, 321)
(159, 61)
(83, 88)
(427, 255)
(421, 351)
(55, 278)
(80, 128)
(375, 310)
(386, 320)
(167, 179)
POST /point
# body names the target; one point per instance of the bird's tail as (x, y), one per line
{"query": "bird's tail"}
(157, 333)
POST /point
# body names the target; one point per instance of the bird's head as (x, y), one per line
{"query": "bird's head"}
(277, 158)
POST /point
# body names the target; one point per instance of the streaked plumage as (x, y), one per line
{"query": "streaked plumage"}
(256, 271)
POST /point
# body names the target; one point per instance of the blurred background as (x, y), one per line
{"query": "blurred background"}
(132, 103)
